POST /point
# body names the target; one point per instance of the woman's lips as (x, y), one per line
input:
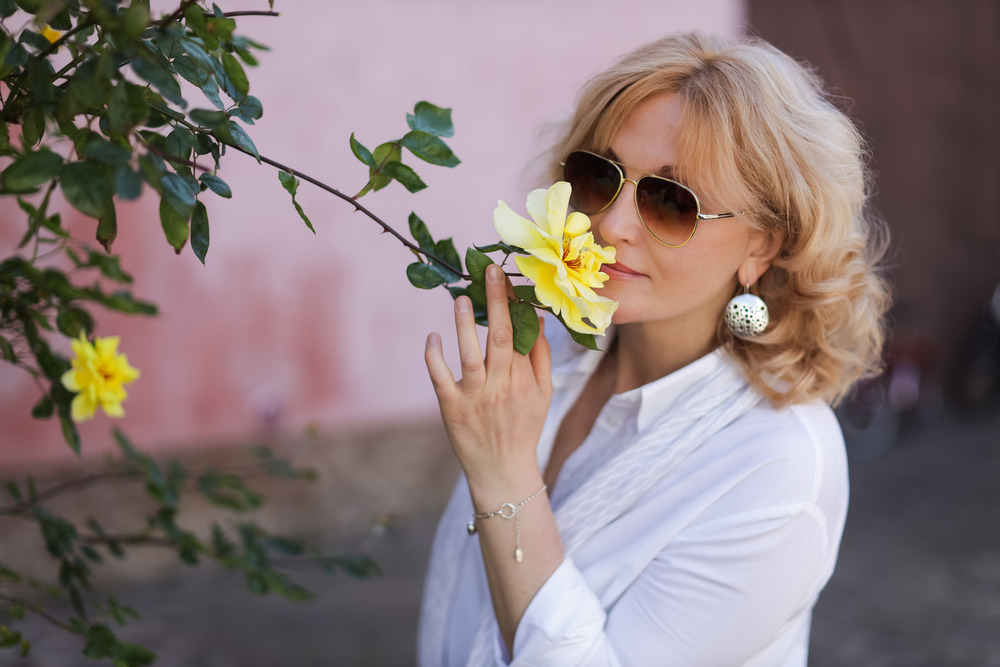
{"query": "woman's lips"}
(619, 271)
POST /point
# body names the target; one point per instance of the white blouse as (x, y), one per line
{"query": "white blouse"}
(719, 565)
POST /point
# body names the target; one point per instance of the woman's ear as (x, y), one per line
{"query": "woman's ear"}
(761, 251)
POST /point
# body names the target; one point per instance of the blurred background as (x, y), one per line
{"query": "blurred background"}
(313, 344)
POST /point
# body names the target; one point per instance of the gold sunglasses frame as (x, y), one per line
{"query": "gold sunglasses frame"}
(635, 197)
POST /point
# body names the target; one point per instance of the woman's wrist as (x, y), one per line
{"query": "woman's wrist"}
(491, 491)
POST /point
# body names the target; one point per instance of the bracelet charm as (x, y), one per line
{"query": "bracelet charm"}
(507, 511)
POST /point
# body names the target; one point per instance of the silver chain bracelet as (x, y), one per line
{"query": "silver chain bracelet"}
(508, 511)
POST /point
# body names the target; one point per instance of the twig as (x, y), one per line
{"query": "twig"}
(176, 15)
(134, 539)
(38, 612)
(245, 13)
(67, 487)
(358, 207)
(170, 158)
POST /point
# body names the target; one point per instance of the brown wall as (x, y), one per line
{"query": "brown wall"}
(921, 78)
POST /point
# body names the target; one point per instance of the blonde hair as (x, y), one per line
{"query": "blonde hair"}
(758, 126)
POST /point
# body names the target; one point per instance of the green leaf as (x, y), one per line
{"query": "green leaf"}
(589, 341)
(32, 126)
(216, 185)
(420, 233)
(71, 321)
(128, 183)
(234, 70)
(477, 294)
(432, 119)
(476, 263)
(175, 225)
(525, 293)
(177, 193)
(160, 77)
(40, 79)
(405, 175)
(100, 641)
(8, 637)
(70, 434)
(248, 110)
(235, 136)
(103, 150)
(191, 69)
(7, 8)
(384, 154)
(524, 321)
(109, 266)
(31, 170)
(199, 231)
(88, 187)
(135, 18)
(124, 302)
(285, 545)
(445, 250)
(362, 153)
(7, 350)
(424, 276)
(15, 493)
(291, 184)
(180, 143)
(107, 229)
(429, 148)
(507, 249)
(209, 119)
(127, 107)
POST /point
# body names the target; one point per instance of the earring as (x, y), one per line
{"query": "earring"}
(746, 314)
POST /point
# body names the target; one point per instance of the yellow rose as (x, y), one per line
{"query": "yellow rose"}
(98, 376)
(563, 259)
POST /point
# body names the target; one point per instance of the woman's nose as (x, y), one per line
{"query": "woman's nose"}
(620, 221)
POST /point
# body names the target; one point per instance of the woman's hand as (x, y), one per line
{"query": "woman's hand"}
(495, 413)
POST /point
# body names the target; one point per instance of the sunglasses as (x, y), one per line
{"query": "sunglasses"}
(669, 211)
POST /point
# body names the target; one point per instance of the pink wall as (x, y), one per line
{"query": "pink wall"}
(326, 327)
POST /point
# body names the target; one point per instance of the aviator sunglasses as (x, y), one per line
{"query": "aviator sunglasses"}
(669, 211)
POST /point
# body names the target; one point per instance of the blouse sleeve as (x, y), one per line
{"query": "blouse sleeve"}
(716, 595)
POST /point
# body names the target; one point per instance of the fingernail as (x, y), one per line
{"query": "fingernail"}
(433, 340)
(462, 304)
(493, 273)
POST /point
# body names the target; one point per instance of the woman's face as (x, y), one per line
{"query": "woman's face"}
(685, 288)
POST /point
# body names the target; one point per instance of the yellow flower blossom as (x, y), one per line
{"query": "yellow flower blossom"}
(98, 376)
(563, 259)
(50, 34)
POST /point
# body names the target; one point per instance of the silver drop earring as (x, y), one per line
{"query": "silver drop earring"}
(746, 314)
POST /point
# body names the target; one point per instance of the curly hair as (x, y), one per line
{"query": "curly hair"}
(758, 125)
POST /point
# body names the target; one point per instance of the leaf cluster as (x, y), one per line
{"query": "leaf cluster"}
(428, 125)
(239, 544)
(35, 301)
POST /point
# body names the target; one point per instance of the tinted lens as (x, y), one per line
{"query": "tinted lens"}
(669, 210)
(595, 181)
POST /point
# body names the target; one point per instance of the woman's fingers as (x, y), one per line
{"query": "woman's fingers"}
(500, 339)
(541, 358)
(437, 367)
(469, 351)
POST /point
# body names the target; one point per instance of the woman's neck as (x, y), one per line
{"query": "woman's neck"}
(646, 352)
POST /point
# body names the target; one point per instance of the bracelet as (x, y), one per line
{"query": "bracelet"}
(508, 511)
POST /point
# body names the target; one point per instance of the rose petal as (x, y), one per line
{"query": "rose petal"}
(557, 205)
(543, 275)
(576, 224)
(515, 230)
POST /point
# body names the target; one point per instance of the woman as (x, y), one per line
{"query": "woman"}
(677, 498)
